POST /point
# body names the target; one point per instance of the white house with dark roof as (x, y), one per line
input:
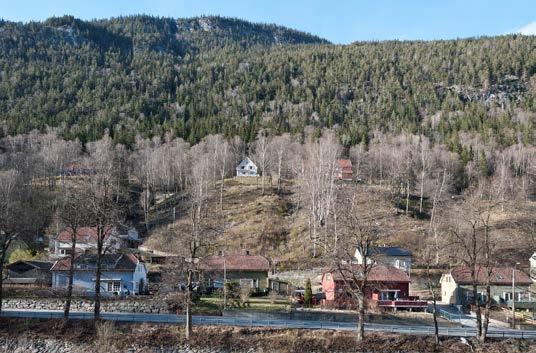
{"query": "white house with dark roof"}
(387, 255)
(246, 168)
(121, 274)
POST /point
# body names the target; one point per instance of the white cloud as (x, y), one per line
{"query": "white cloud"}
(529, 29)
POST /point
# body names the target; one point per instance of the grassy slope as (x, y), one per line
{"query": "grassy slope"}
(273, 225)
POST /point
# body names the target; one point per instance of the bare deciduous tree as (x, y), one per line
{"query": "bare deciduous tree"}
(359, 232)
(73, 213)
(262, 155)
(320, 169)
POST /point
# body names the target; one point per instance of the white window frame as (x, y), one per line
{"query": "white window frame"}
(113, 286)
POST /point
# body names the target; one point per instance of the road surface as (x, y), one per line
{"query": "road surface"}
(233, 321)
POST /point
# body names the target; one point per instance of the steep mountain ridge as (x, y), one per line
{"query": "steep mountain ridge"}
(192, 77)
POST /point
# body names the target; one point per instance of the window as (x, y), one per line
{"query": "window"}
(114, 286)
(247, 283)
(389, 295)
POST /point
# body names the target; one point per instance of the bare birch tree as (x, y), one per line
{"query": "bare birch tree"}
(320, 169)
(103, 193)
(262, 155)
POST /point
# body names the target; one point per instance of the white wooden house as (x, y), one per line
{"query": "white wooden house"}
(246, 168)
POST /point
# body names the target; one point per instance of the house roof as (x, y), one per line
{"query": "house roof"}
(388, 251)
(41, 265)
(87, 262)
(344, 163)
(379, 273)
(84, 234)
(499, 276)
(235, 263)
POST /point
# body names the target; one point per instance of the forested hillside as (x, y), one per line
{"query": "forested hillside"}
(192, 77)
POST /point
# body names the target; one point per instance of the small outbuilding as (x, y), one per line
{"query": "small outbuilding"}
(344, 170)
(29, 272)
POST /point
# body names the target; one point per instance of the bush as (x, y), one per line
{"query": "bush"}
(21, 254)
(308, 294)
(106, 337)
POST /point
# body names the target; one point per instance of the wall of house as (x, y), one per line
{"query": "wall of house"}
(328, 287)
(43, 277)
(401, 262)
(373, 290)
(261, 277)
(497, 293)
(449, 290)
(334, 289)
(85, 281)
(140, 278)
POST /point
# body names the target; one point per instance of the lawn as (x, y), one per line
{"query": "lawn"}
(254, 304)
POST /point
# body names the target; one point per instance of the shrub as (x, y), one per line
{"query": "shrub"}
(106, 337)
(308, 294)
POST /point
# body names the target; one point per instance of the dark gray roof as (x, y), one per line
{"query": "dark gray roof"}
(109, 262)
(42, 265)
(388, 251)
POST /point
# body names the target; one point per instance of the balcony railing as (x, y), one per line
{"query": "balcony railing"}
(402, 303)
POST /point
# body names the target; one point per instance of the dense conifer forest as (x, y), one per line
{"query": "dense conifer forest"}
(150, 76)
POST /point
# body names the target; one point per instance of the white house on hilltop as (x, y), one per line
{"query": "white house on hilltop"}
(246, 168)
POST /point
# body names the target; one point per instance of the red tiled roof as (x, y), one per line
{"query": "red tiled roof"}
(499, 276)
(83, 235)
(235, 262)
(344, 163)
(376, 274)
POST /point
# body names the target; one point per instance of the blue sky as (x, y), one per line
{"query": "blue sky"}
(340, 21)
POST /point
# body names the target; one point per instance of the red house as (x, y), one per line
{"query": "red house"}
(344, 170)
(388, 286)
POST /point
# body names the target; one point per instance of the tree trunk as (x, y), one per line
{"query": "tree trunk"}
(361, 318)
(5, 246)
(407, 196)
(98, 276)
(221, 192)
(262, 183)
(485, 324)
(279, 176)
(188, 319)
(478, 311)
(2, 263)
(422, 192)
(69, 297)
(436, 327)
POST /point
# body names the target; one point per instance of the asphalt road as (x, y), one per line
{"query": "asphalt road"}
(232, 321)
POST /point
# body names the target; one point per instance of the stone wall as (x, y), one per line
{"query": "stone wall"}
(118, 305)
